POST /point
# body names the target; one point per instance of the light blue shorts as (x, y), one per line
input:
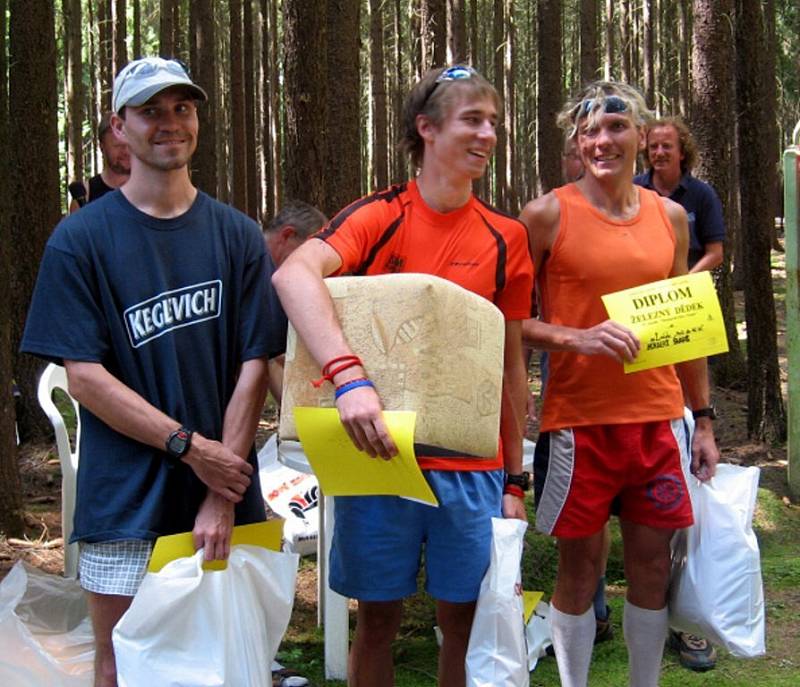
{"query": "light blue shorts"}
(378, 540)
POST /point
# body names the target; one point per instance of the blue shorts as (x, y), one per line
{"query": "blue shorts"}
(378, 540)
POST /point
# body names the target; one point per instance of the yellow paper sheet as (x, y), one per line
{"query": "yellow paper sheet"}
(343, 470)
(530, 599)
(265, 534)
(675, 319)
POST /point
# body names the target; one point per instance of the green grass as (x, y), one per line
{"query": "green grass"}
(777, 526)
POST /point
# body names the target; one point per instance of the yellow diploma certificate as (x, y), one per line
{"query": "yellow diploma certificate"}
(675, 319)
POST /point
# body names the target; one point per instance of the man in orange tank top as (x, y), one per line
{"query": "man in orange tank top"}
(611, 436)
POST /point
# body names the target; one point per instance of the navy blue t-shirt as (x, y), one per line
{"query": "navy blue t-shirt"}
(171, 307)
(703, 208)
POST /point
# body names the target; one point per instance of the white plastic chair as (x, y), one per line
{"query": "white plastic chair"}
(55, 377)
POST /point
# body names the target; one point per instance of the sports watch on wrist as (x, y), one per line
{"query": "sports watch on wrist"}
(709, 411)
(522, 480)
(178, 443)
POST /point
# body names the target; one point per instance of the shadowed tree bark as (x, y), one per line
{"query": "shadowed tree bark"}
(75, 93)
(766, 416)
(306, 100)
(380, 144)
(550, 93)
(712, 122)
(11, 514)
(342, 178)
(204, 71)
(32, 89)
(589, 56)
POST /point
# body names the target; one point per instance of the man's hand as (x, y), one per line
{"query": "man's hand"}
(219, 468)
(361, 413)
(213, 527)
(514, 507)
(705, 454)
(607, 338)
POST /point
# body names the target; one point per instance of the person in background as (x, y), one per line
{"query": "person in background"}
(116, 168)
(283, 234)
(671, 153)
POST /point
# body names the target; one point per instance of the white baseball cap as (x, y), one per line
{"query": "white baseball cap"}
(140, 80)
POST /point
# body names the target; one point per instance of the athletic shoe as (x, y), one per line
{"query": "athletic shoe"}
(694, 653)
(604, 631)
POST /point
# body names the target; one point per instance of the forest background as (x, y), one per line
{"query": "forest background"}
(305, 99)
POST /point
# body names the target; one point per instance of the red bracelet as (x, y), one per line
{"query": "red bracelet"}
(328, 374)
(514, 490)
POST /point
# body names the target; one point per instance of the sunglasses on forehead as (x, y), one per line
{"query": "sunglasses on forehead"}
(610, 104)
(458, 72)
(148, 67)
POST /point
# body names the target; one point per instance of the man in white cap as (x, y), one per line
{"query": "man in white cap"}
(154, 298)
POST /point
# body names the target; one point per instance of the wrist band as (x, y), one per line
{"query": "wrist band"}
(514, 490)
(328, 374)
(349, 386)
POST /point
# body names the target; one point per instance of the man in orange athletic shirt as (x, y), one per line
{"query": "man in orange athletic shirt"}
(610, 435)
(432, 224)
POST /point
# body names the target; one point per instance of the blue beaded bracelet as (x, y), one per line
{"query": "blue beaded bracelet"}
(349, 386)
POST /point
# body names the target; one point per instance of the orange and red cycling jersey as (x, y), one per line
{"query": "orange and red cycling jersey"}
(476, 247)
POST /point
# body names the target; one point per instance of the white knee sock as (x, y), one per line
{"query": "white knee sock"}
(573, 639)
(645, 632)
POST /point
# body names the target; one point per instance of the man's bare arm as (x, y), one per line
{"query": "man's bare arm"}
(214, 522)
(512, 413)
(693, 373)
(308, 305)
(126, 412)
(711, 258)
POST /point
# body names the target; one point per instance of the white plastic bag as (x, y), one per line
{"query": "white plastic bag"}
(716, 590)
(497, 656)
(190, 628)
(292, 495)
(537, 634)
(45, 634)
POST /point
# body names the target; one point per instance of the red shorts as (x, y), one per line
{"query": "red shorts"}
(640, 464)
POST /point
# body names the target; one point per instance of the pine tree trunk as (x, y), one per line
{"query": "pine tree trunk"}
(166, 29)
(105, 53)
(253, 196)
(238, 125)
(712, 122)
(589, 60)
(684, 46)
(306, 100)
(137, 29)
(120, 24)
(266, 115)
(204, 71)
(75, 91)
(11, 520)
(648, 19)
(608, 67)
(380, 143)
(550, 93)
(437, 26)
(343, 181)
(500, 154)
(32, 89)
(766, 417)
(458, 31)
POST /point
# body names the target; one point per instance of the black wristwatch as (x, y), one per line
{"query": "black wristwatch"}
(523, 480)
(709, 411)
(178, 443)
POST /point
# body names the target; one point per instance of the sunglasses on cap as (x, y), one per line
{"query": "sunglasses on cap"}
(610, 104)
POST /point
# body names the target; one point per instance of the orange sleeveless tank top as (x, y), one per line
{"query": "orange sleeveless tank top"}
(593, 255)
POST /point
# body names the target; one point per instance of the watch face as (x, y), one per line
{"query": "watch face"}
(178, 443)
